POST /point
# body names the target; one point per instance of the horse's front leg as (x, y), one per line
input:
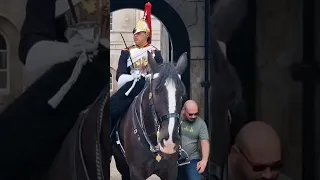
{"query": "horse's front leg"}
(135, 175)
(171, 174)
(121, 163)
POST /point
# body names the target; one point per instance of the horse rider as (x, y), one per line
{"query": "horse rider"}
(132, 64)
(65, 54)
(132, 69)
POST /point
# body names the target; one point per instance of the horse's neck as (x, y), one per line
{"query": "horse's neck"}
(143, 107)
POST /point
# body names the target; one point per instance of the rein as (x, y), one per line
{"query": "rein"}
(156, 119)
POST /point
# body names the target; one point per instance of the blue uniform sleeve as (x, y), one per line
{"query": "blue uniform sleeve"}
(122, 64)
(158, 57)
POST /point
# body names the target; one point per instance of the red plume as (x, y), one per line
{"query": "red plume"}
(147, 11)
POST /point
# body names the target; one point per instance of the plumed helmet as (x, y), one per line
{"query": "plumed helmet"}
(144, 24)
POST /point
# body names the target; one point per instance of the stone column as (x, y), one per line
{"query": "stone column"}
(192, 14)
(278, 98)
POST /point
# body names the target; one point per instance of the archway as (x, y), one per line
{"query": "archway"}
(12, 74)
(174, 24)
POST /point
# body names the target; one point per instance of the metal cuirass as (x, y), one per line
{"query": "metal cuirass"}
(139, 57)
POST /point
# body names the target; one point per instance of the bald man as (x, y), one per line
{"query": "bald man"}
(193, 131)
(256, 154)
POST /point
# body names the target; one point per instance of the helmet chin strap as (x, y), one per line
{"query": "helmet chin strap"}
(142, 45)
(73, 12)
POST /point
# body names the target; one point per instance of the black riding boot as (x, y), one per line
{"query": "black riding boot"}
(119, 102)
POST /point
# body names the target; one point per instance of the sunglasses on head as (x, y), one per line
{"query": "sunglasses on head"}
(275, 166)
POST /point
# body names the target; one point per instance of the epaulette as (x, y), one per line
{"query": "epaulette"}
(126, 49)
(154, 47)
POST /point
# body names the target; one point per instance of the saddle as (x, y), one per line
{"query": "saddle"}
(84, 162)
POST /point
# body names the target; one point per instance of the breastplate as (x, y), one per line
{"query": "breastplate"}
(139, 58)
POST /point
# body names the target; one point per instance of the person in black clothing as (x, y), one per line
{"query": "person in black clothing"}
(65, 71)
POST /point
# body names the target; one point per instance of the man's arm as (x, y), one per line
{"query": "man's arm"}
(122, 64)
(204, 141)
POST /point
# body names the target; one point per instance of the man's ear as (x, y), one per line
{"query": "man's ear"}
(182, 112)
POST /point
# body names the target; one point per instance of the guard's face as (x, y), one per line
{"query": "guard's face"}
(140, 38)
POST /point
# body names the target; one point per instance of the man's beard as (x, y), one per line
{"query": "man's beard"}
(191, 120)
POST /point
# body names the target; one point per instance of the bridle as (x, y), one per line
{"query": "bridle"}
(157, 120)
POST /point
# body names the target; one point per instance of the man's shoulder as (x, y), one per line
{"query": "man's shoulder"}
(200, 120)
(128, 48)
(153, 47)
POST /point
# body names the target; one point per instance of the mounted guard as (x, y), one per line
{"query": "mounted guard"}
(65, 53)
(132, 73)
(133, 66)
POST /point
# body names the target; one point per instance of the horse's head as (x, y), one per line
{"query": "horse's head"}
(165, 96)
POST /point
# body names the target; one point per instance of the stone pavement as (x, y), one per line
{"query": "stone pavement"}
(114, 174)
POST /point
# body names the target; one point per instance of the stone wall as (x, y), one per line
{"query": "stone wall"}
(192, 14)
(11, 20)
(278, 97)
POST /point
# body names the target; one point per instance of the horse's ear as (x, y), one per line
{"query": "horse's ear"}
(182, 63)
(153, 63)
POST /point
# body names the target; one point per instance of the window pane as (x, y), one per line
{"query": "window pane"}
(3, 79)
(111, 82)
(3, 60)
(3, 44)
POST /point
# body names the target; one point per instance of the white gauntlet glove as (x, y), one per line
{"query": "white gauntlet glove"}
(135, 74)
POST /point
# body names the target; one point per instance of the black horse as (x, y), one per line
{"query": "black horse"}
(32, 131)
(149, 131)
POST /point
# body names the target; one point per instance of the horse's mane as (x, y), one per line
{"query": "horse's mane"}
(167, 70)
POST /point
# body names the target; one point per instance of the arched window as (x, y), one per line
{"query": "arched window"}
(111, 21)
(111, 82)
(4, 74)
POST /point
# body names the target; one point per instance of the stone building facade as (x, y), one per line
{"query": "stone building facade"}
(11, 69)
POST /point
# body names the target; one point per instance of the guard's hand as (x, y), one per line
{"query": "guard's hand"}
(201, 166)
(135, 74)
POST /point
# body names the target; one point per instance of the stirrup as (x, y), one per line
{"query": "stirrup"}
(183, 163)
(183, 157)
